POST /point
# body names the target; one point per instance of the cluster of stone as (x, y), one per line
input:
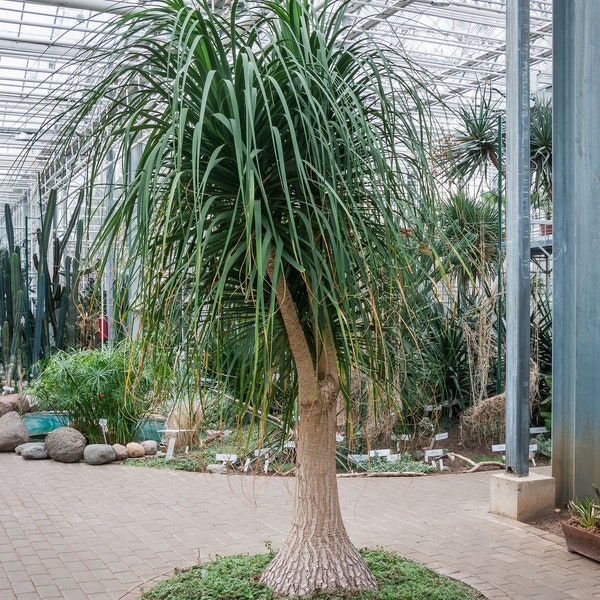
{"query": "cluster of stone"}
(65, 444)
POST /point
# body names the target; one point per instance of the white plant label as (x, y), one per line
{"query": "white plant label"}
(170, 448)
(433, 453)
(536, 430)
(358, 457)
(385, 452)
(224, 458)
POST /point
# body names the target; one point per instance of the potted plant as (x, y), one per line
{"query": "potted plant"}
(582, 530)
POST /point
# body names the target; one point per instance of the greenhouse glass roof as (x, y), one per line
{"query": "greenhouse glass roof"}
(461, 43)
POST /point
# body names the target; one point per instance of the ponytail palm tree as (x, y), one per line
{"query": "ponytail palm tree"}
(263, 152)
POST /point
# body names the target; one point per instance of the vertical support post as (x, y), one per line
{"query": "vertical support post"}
(576, 297)
(133, 283)
(517, 237)
(499, 274)
(28, 348)
(109, 273)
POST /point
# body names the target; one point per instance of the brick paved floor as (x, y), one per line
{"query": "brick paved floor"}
(79, 532)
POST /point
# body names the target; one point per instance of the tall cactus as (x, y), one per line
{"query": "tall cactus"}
(6, 287)
(3, 285)
(5, 343)
(10, 230)
(16, 359)
(39, 318)
(26, 337)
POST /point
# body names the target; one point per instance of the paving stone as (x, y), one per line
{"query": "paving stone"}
(84, 514)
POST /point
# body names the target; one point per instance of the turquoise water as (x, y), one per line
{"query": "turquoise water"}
(40, 423)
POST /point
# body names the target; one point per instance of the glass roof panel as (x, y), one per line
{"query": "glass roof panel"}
(460, 42)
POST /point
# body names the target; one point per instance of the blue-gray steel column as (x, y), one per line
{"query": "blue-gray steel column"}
(517, 237)
(576, 298)
(109, 276)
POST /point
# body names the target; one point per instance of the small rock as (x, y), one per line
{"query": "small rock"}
(135, 450)
(65, 444)
(13, 432)
(120, 452)
(20, 447)
(99, 454)
(150, 447)
(218, 469)
(34, 451)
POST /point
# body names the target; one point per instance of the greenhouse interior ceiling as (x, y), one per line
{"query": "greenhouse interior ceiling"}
(459, 43)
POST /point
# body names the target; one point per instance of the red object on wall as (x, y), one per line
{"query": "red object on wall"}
(103, 329)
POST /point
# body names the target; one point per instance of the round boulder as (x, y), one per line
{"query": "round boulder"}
(120, 451)
(150, 447)
(14, 402)
(8, 403)
(65, 444)
(99, 454)
(13, 432)
(34, 451)
(135, 450)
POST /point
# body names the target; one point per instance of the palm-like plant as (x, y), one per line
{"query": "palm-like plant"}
(474, 145)
(471, 232)
(262, 198)
(541, 154)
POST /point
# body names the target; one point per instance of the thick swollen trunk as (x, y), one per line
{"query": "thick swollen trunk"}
(317, 553)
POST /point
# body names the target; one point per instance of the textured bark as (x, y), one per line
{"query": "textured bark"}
(317, 553)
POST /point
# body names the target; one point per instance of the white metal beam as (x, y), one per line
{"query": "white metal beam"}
(103, 6)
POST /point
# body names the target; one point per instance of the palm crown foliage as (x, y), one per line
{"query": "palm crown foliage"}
(541, 154)
(471, 233)
(475, 143)
(257, 145)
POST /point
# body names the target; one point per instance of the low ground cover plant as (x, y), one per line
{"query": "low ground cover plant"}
(236, 578)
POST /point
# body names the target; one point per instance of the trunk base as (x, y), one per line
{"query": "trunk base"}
(301, 569)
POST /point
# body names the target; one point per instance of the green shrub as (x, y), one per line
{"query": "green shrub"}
(544, 445)
(107, 383)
